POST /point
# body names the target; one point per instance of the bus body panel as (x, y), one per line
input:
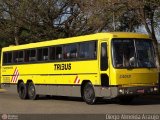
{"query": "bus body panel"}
(48, 74)
(141, 76)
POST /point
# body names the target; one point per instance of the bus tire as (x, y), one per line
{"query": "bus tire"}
(89, 93)
(32, 91)
(22, 91)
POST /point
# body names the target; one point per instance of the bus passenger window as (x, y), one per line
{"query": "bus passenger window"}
(88, 50)
(42, 54)
(15, 56)
(7, 57)
(84, 50)
(70, 51)
(4, 58)
(52, 53)
(21, 56)
(32, 55)
(58, 53)
(45, 54)
(26, 55)
(39, 54)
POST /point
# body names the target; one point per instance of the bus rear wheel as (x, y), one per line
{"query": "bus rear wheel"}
(89, 93)
(22, 91)
(32, 91)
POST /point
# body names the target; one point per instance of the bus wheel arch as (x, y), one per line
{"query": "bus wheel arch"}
(88, 92)
(28, 81)
(31, 90)
(22, 90)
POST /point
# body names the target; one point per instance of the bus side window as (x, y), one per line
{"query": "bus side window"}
(52, 53)
(26, 55)
(70, 51)
(42, 54)
(7, 57)
(84, 50)
(45, 54)
(104, 59)
(18, 57)
(59, 53)
(39, 54)
(32, 55)
(4, 58)
(15, 57)
(88, 50)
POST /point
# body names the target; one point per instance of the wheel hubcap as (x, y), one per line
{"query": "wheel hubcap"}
(89, 94)
(31, 91)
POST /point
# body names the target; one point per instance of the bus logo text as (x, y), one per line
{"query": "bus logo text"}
(62, 66)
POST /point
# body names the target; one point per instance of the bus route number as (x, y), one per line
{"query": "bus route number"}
(125, 76)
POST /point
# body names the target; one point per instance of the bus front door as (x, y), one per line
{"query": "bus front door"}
(104, 71)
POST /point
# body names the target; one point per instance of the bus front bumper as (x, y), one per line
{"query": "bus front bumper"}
(142, 90)
(112, 92)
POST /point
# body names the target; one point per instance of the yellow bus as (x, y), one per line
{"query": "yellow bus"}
(105, 65)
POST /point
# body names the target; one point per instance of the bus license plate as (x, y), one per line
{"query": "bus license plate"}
(140, 91)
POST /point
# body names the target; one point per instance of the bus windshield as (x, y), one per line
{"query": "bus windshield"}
(132, 53)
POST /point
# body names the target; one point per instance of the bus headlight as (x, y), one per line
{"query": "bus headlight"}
(155, 89)
(121, 91)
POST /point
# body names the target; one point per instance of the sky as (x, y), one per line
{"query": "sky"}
(143, 30)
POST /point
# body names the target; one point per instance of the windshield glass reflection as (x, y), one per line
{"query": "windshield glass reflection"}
(130, 53)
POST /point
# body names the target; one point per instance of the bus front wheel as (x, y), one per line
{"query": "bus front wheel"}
(32, 91)
(89, 93)
(22, 91)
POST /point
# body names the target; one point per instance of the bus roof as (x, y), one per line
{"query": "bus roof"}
(97, 36)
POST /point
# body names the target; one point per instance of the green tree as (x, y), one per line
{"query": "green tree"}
(35, 20)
